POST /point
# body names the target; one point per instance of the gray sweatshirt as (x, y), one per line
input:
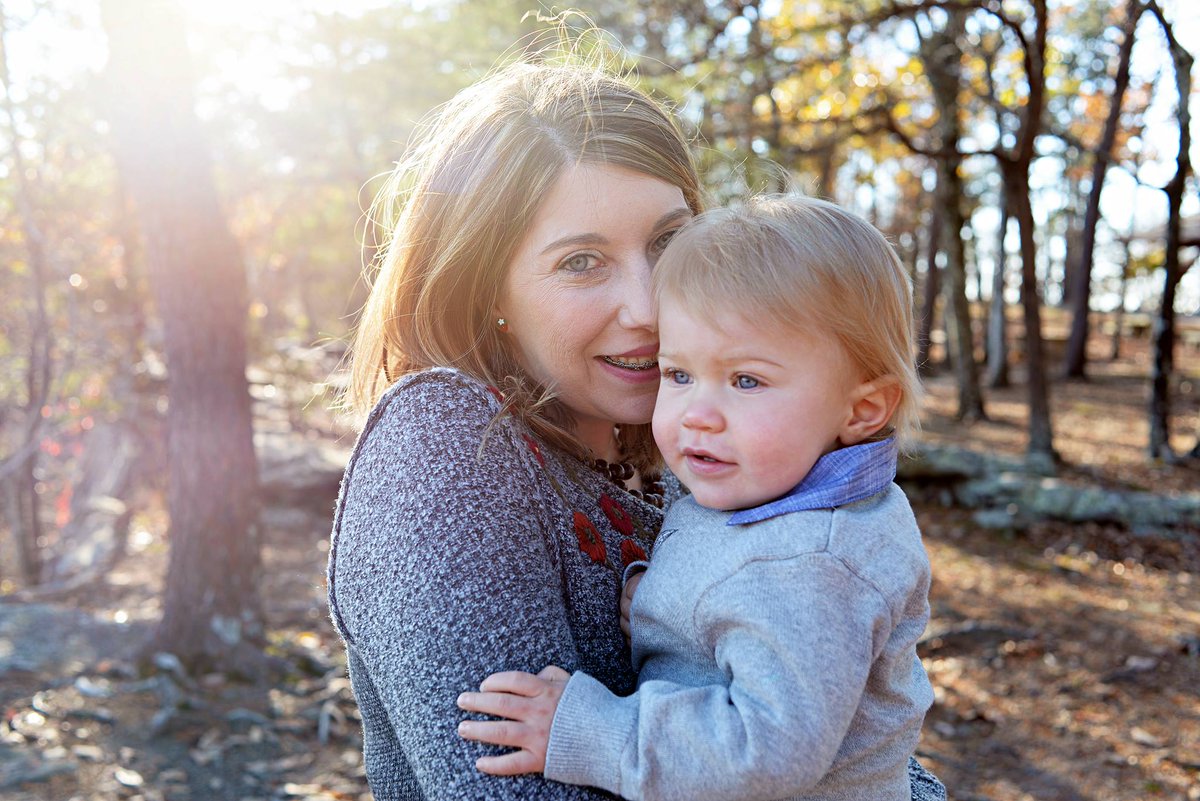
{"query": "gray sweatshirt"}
(775, 660)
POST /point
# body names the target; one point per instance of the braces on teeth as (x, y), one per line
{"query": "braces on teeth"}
(631, 365)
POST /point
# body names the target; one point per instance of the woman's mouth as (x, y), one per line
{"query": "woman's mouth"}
(632, 362)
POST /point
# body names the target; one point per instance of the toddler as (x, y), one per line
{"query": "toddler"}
(775, 631)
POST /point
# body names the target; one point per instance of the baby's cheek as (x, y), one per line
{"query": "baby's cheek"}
(663, 425)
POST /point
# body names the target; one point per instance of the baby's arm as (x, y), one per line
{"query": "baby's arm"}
(796, 637)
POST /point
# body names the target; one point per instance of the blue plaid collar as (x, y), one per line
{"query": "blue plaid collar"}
(838, 478)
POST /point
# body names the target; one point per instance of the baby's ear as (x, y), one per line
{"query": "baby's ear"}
(872, 404)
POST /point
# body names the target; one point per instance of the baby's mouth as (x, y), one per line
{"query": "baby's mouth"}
(702, 456)
(632, 363)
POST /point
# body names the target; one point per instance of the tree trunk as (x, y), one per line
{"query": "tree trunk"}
(971, 261)
(18, 475)
(997, 338)
(957, 309)
(1040, 450)
(1070, 219)
(1162, 357)
(1075, 364)
(1014, 167)
(1119, 314)
(825, 176)
(212, 617)
(930, 293)
(942, 57)
(24, 520)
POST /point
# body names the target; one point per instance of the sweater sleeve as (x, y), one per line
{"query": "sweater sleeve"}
(445, 571)
(796, 637)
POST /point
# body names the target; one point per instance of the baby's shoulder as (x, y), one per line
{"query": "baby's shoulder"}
(880, 538)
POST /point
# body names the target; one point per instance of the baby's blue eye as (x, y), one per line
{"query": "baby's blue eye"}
(746, 382)
(675, 376)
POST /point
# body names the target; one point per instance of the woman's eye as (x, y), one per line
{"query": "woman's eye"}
(578, 263)
(660, 244)
(746, 382)
(675, 376)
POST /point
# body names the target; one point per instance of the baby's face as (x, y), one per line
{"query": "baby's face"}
(744, 411)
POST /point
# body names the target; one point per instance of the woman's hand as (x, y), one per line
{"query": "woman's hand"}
(627, 601)
(528, 703)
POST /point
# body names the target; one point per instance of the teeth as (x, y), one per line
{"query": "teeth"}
(632, 364)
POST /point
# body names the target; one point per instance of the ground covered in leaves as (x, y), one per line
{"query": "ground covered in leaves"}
(1066, 659)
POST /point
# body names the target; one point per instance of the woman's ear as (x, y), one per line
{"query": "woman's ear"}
(872, 404)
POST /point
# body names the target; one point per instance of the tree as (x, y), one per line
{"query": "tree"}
(17, 469)
(1163, 343)
(997, 331)
(212, 617)
(1081, 272)
(1015, 162)
(942, 56)
(931, 289)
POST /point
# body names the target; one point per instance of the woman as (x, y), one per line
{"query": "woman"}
(484, 524)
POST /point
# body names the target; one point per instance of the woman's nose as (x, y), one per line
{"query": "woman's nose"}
(637, 303)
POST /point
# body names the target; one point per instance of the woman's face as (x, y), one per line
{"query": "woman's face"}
(577, 294)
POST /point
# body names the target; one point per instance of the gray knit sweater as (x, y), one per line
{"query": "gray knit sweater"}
(455, 555)
(449, 563)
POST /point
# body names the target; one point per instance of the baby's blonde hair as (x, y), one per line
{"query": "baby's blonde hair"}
(456, 209)
(809, 266)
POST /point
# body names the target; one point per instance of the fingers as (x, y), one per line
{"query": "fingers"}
(514, 735)
(554, 673)
(529, 703)
(531, 740)
(631, 585)
(512, 764)
(513, 681)
(627, 593)
(496, 732)
(499, 704)
(630, 589)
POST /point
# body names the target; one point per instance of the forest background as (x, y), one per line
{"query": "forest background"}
(184, 227)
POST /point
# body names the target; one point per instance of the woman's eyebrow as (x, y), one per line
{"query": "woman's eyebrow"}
(574, 240)
(682, 212)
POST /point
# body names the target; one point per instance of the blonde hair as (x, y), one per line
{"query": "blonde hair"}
(459, 205)
(802, 263)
